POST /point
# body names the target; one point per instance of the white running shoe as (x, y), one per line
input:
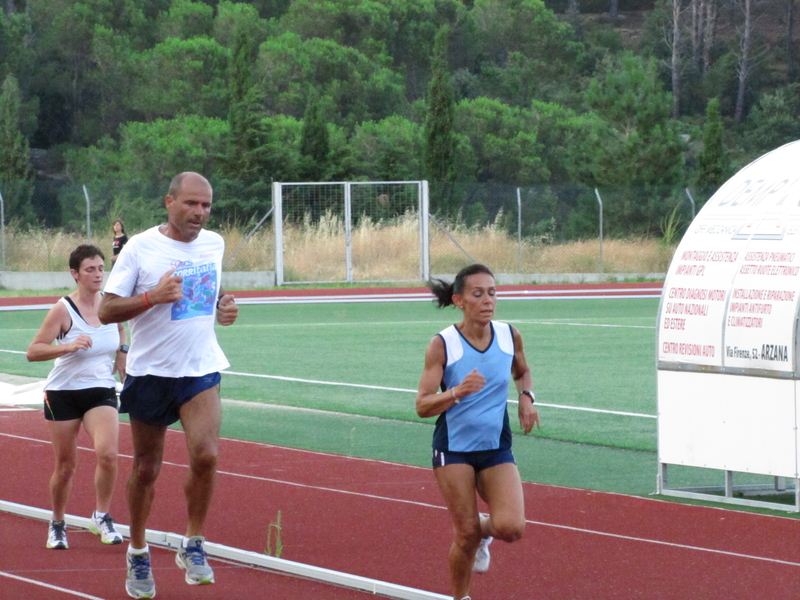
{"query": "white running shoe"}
(57, 535)
(482, 558)
(103, 525)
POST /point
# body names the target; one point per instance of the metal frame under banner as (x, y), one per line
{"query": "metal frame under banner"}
(730, 493)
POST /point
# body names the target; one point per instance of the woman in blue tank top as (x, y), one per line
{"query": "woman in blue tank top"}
(468, 368)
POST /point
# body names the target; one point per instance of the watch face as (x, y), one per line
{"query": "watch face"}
(123, 348)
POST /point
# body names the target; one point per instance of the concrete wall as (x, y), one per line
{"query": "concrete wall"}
(53, 280)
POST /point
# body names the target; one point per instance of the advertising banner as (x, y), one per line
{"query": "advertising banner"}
(731, 295)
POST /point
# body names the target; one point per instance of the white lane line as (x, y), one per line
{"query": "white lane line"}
(410, 391)
(669, 544)
(608, 325)
(49, 586)
(319, 382)
(590, 294)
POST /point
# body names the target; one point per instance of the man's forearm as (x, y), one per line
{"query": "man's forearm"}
(117, 309)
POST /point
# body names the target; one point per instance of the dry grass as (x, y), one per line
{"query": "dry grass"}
(41, 250)
(380, 251)
(492, 246)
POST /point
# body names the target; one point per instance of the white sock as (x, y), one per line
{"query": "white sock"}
(132, 550)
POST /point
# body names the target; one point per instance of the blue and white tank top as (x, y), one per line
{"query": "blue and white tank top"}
(480, 420)
(85, 368)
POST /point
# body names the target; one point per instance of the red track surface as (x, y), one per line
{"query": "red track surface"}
(577, 290)
(385, 521)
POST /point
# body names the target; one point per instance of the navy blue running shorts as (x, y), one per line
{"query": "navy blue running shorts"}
(67, 405)
(480, 460)
(157, 400)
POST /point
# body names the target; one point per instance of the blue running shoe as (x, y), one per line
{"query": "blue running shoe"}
(140, 582)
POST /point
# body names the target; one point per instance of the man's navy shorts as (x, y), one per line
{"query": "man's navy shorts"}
(480, 460)
(67, 405)
(157, 400)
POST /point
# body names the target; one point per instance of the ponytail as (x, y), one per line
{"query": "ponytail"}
(444, 291)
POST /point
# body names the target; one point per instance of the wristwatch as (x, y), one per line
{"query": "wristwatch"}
(530, 395)
(124, 348)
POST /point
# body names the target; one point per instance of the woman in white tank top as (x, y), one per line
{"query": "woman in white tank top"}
(81, 389)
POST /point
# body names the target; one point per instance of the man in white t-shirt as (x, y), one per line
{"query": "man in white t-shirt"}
(167, 283)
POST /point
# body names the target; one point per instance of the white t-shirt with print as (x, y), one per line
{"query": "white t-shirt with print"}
(172, 340)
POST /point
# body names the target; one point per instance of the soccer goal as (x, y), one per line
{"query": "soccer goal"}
(351, 232)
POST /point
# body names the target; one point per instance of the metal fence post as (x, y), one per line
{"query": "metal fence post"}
(424, 231)
(88, 215)
(348, 233)
(277, 222)
(600, 202)
(3, 229)
(689, 195)
(519, 233)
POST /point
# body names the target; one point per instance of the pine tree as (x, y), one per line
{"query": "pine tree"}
(314, 142)
(713, 164)
(243, 113)
(314, 152)
(15, 180)
(13, 145)
(440, 144)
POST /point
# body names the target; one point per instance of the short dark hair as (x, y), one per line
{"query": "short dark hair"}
(444, 291)
(83, 252)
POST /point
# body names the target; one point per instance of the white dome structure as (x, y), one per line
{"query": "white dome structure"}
(727, 342)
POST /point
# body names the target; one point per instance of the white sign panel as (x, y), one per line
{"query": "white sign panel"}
(731, 294)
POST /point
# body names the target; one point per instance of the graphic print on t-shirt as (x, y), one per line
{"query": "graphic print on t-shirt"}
(199, 291)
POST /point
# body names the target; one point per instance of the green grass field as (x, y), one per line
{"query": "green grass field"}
(315, 376)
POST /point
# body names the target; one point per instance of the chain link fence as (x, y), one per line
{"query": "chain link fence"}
(523, 230)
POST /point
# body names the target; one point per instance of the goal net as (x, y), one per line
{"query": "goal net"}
(351, 232)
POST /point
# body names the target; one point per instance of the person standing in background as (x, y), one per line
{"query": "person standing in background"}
(120, 239)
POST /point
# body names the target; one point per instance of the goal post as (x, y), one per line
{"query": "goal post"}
(351, 232)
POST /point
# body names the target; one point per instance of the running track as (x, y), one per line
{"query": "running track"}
(386, 521)
(390, 294)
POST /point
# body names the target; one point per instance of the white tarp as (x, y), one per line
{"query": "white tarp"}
(21, 395)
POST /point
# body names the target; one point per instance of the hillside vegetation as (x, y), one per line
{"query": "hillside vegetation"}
(640, 99)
